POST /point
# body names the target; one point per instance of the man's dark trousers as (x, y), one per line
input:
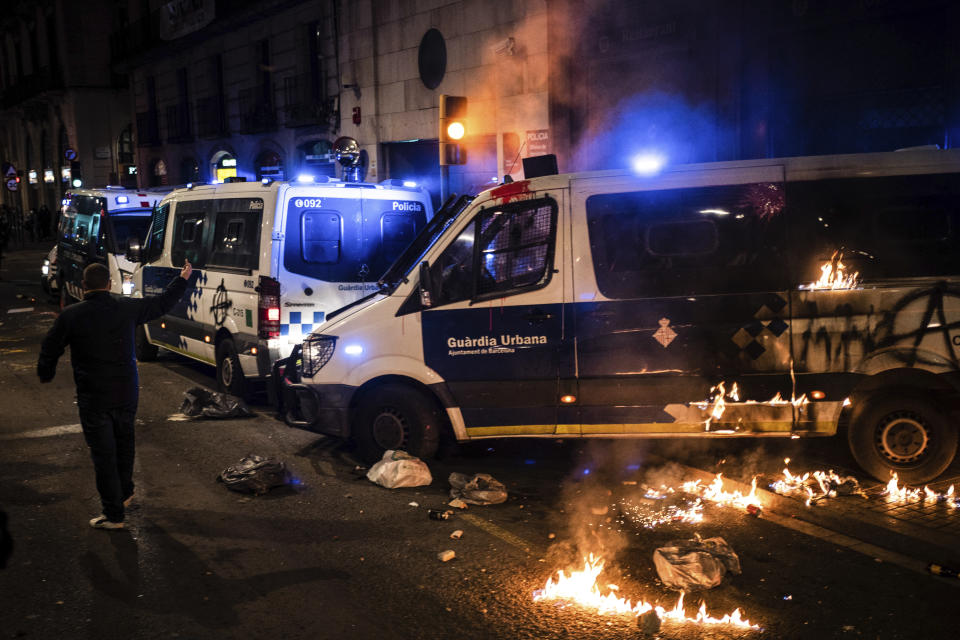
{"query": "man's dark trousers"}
(110, 435)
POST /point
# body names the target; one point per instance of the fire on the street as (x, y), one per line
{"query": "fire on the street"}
(715, 493)
(582, 588)
(834, 275)
(895, 493)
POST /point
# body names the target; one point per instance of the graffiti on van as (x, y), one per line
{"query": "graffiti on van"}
(916, 329)
(221, 304)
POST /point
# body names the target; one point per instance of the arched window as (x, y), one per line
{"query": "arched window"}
(269, 164)
(223, 165)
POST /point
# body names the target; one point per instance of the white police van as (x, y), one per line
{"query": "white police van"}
(96, 226)
(778, 297)
(270, 259)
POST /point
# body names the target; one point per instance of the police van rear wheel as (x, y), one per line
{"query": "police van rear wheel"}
(903, 433)
(229, 374)
(396, 416)
(146, 352)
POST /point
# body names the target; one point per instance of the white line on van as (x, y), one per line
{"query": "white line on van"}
(45, 432)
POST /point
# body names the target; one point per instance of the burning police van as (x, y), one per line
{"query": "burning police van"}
(270, 259)
(785, 297)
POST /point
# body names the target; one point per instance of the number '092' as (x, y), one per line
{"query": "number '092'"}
(307, 203)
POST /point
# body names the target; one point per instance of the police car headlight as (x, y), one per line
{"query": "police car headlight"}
(317, 351)
(45, 269)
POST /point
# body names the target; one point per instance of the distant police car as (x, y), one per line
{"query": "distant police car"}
(95, 226)
(48, 273)
(270, 260)
(613, 304)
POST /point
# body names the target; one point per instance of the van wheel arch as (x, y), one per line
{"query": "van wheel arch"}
(230, 378)
(402, 403)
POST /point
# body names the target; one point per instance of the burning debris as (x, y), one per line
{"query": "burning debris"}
(695, 564)
(715, 493)
(720, 400)
(816, 485)
(833, 275)
(581, 588)
(663, 506)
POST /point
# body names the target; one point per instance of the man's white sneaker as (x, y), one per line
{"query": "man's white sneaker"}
(101, 522)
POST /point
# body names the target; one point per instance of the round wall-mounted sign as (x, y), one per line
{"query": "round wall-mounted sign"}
(432, 59)
(12, 184)
(70, 154)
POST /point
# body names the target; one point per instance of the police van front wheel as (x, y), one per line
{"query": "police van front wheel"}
(396, 416)
(903, 433)
(229, 374)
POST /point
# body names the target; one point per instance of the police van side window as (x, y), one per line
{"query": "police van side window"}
(320, 235)
(675, 242)
(505, 250)
(884, 227)
(236, 233)
(190, 220)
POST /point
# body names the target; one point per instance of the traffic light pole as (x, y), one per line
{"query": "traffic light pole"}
(444, 182)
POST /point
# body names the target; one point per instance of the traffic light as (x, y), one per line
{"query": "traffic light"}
(453, 127)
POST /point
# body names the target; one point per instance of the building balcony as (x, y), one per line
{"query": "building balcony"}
(257, 113)
(178, 123)
(31, 86)
(211, 117)
(148, 128)
(302, 106)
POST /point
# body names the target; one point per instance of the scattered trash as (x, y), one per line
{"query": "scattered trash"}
(695, 564)
(458, 504)
(482, 488)
(413, 504)
(444, 556)
(399, 469)
(755, 510)
(203, 403)
(649, 623)
(456, 535)
(255, 474)
(436, 514)
(940, 570)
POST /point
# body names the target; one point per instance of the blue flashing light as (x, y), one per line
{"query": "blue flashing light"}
(633, 467)
(648, 164)
(586, 471)
(304, 177)
(353, 350)
(122, 199)
(265, 181)
(409, 183)
(529, 461)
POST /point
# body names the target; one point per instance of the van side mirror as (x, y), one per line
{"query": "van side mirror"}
(133, 249)
(426, 285)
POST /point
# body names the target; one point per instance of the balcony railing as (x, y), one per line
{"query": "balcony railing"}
(301, 103)
(257, 113)
(178, 123)
(211, 117)
(148, 128)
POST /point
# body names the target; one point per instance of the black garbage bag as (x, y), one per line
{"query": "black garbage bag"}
(255, 474)
(203, 403)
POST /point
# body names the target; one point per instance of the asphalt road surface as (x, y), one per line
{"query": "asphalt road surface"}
(336, 556)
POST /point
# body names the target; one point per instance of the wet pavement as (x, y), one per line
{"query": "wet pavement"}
(336, 556)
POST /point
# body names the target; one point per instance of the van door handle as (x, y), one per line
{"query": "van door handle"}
(538, 317)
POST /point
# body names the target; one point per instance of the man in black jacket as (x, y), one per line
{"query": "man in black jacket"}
(100, 331)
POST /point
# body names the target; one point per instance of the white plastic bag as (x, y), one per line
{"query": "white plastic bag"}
(695, 564)
(399, 469)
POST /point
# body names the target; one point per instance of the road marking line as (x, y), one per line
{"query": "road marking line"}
(816, 531)
(45, 432)
(499, 532)
(20, 310)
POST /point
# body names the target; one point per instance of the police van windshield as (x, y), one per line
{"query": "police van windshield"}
(80, 223)
(347, 239)
(130, 225)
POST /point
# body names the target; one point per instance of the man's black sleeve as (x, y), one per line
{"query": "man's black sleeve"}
(155, 306)
(51, 349)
